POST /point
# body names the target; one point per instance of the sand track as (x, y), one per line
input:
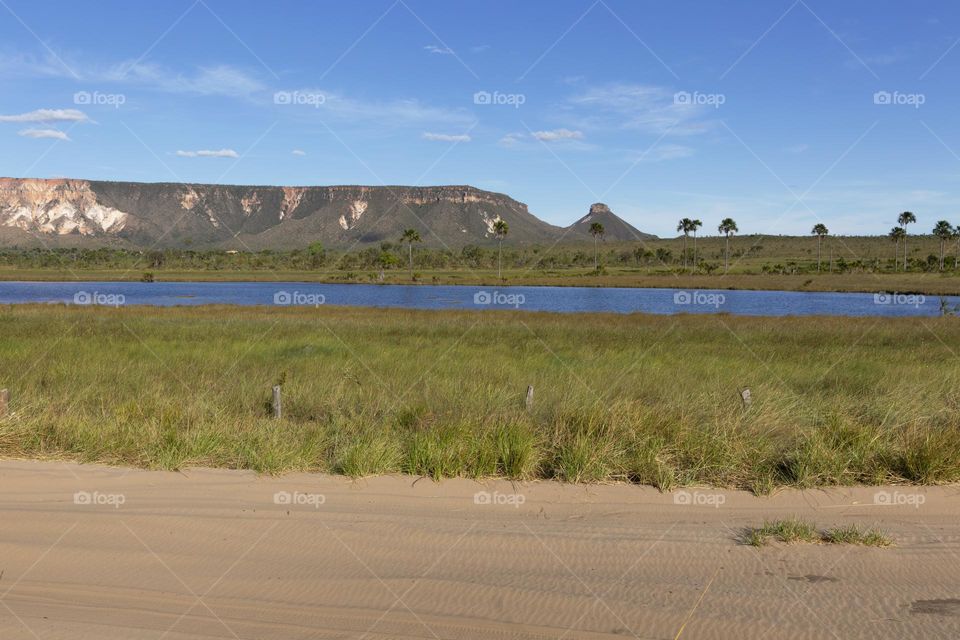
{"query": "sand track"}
(210, 554)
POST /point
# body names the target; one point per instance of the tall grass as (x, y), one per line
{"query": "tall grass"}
(643, 399)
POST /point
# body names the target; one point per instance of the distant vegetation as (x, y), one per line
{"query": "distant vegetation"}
(645, 399)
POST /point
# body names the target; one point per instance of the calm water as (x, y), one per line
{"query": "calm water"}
(560, 299)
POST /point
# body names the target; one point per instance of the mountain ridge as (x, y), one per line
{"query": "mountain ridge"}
(80, 212)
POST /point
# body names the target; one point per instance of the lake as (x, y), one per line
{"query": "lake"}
(557, 299)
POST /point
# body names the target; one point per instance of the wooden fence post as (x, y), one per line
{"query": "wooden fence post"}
(529, 400)
(4, 402)
(276, 402)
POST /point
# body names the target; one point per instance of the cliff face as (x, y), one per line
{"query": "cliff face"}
(57, 207)
(91, 213)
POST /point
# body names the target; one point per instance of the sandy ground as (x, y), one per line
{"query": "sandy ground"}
(95, 552)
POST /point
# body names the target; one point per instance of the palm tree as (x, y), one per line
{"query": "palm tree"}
(596, 230)
(956, 254)
(686, 226)
(896, 234)
(727, 227)
(694, 225)
(903, 220)
(944, 231)
(820, 230)
(410, 236)
(500, 229)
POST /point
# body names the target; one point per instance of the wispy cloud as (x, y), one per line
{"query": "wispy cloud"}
(446, 51)
(44, 133)
(222, 79)
(645, 108)
(664, 152)
(511, 140)
(392, 113)
(479, 48)
(446, 137)
(48, 116)
(797, 148)
(208, 153)
(299, 152)
(557, 134)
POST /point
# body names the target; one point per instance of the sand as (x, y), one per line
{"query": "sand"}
(226, 554)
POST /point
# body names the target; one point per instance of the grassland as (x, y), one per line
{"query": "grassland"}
(770, 263)
(643, 399)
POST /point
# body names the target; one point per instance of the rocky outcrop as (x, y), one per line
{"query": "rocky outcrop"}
(57, 207)
(614, 227)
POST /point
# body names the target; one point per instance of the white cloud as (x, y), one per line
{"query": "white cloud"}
(47, 116)
(299, 152)
(446, 137)
(44, 133)
(432, 48)
(207, 153)
(558, 134)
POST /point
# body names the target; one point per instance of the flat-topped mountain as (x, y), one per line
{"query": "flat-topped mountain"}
(615, 228)
(88, 213)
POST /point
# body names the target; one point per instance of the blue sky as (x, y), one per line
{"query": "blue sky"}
(763, 111)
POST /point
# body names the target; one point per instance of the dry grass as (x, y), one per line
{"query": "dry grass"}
(645, 399)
